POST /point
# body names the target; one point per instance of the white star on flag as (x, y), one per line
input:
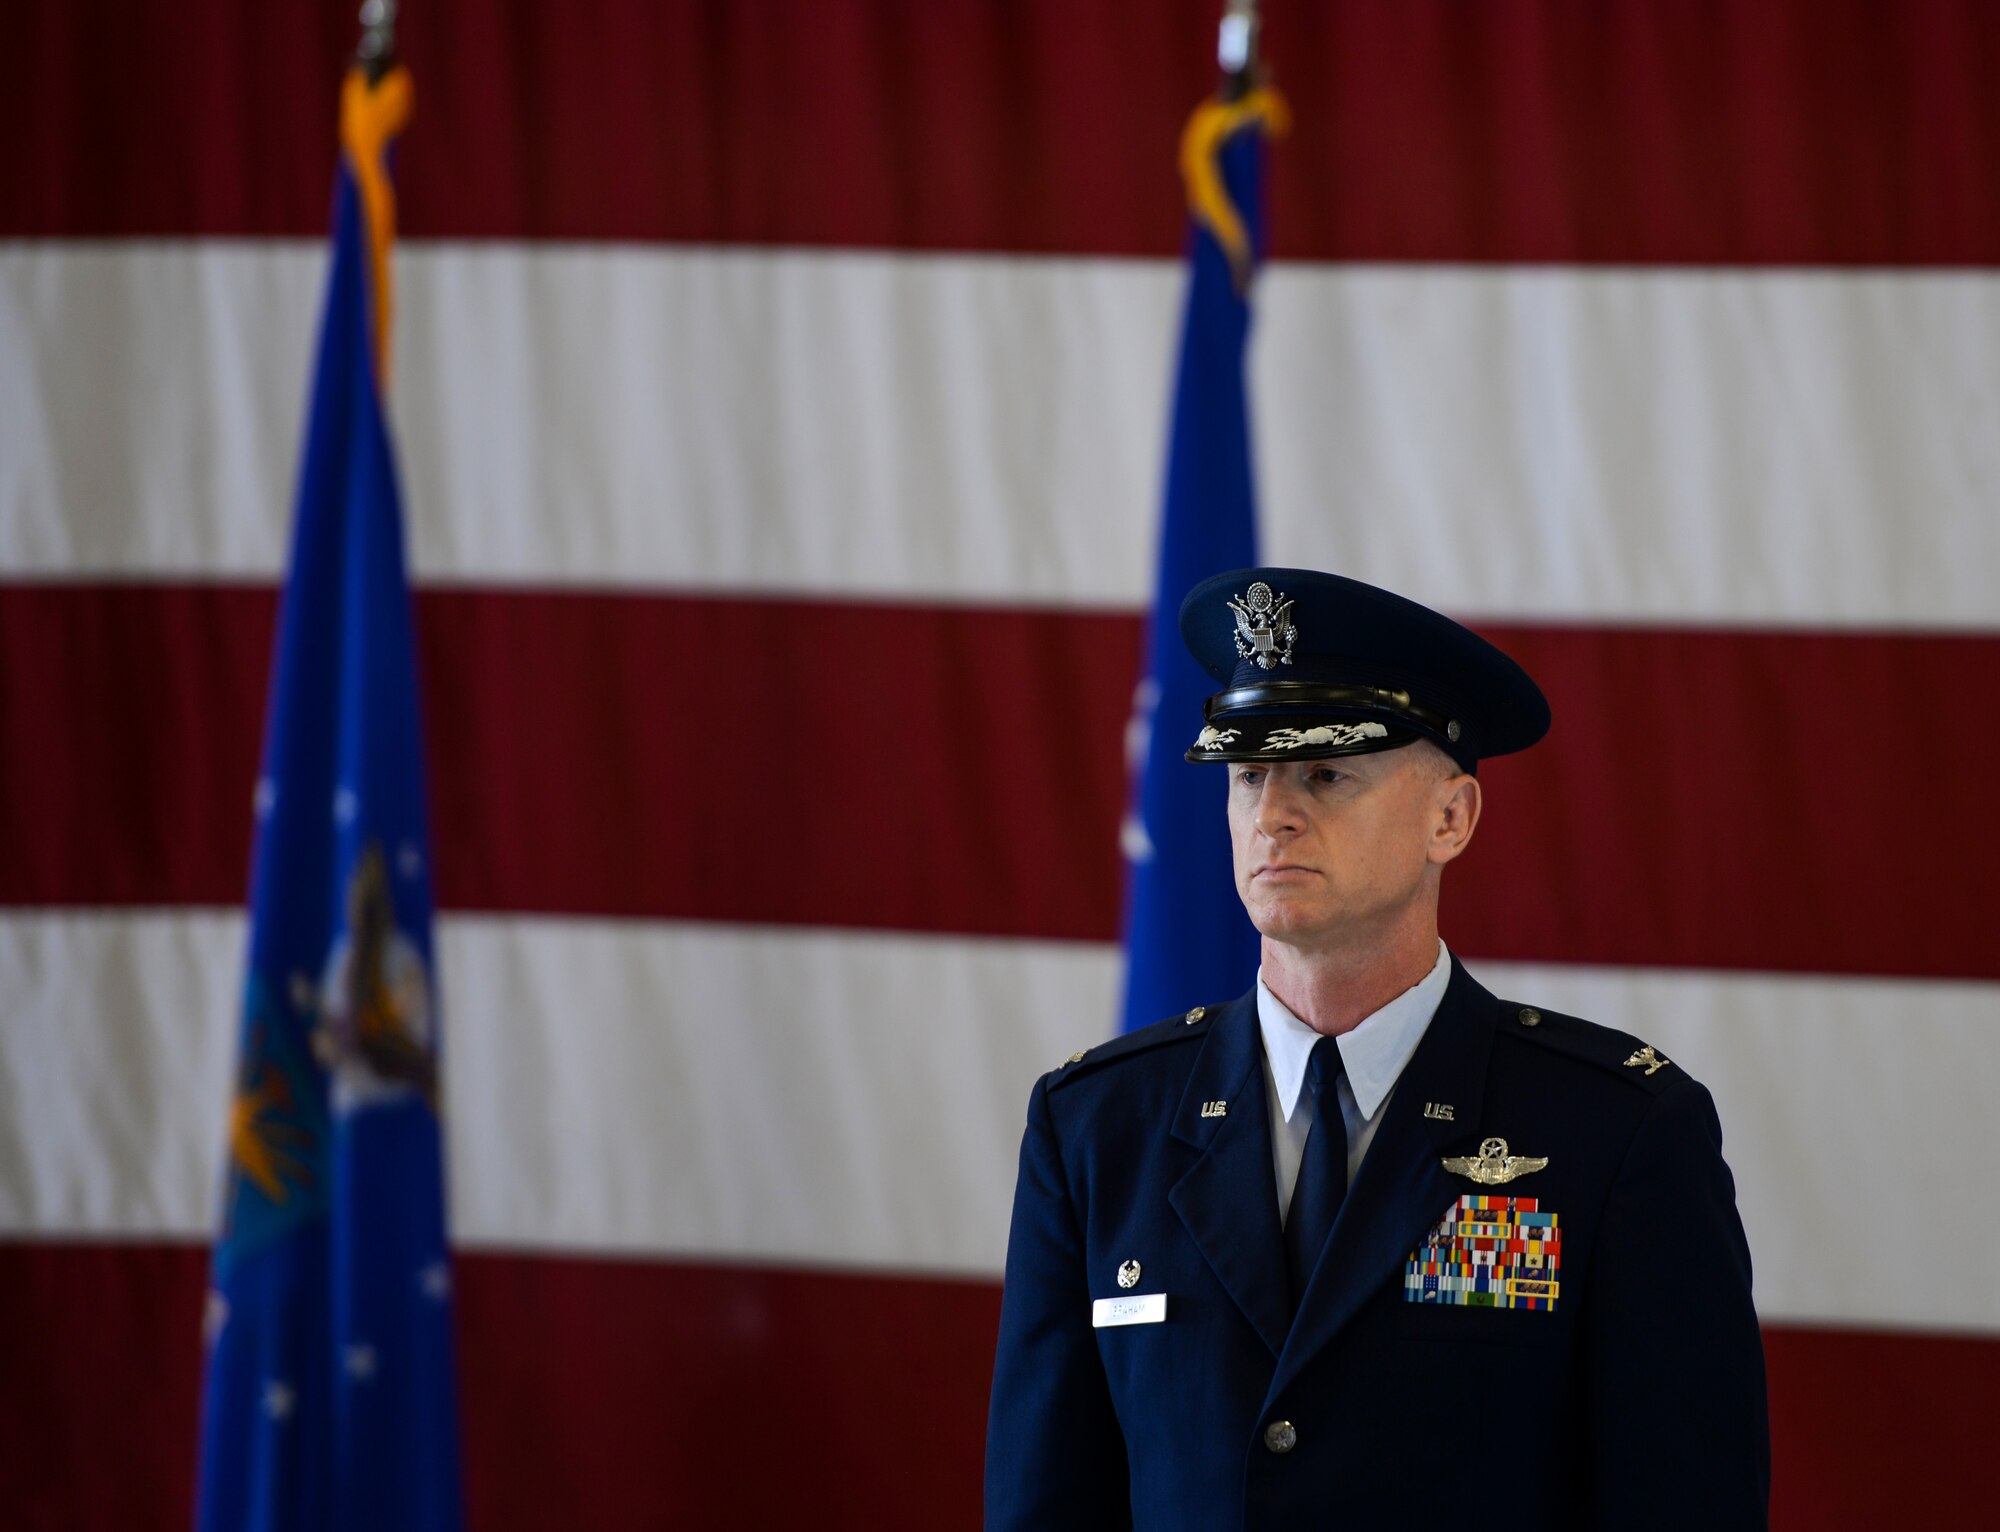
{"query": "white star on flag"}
(435, 1280)
(1133, 838)
(279, 1397)
(360, 1361)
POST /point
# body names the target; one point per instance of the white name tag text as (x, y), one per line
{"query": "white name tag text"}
(1139, 1309)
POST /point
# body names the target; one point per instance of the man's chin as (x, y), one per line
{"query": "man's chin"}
(1295, 922)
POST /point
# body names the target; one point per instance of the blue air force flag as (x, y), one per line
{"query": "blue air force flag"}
(1187, 940)
(329, 1399)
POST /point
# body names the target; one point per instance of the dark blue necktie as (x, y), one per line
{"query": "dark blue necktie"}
(1322, 1182)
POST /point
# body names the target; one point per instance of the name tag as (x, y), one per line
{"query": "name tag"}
(1139, 1309)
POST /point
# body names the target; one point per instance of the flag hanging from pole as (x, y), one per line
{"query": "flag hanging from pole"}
(329, 1401)
(1187, 940)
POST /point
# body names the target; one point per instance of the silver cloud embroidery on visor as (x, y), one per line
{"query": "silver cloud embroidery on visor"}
(1335, 734)
(1214, 739)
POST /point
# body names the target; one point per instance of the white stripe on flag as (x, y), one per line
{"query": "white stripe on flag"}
(1746, 447)
(856, 1100)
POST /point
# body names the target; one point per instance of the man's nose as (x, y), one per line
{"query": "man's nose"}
(1278, 805)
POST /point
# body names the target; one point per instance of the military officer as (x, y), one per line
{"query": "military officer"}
(1369, 1246)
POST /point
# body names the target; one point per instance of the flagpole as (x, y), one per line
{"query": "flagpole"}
(377, 52)
(1236, 48)
(1187, 939)
(330, 1395)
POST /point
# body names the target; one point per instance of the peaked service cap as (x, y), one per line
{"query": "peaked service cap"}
(1315, 665)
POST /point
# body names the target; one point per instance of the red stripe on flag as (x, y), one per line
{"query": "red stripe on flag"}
(1880, 1430)
(1763, 132)
(642, 1393)
(100, 1394)
(1707, 799)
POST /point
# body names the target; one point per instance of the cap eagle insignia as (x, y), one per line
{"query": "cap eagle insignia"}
(1264, 631)
(1493, 1165)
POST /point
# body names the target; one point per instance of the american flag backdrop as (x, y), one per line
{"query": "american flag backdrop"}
(780, 394)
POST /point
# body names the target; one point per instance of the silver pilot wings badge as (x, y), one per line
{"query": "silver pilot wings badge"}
(1493, 1165)
(1264, 631)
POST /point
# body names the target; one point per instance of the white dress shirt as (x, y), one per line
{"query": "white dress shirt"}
(1372, 1057)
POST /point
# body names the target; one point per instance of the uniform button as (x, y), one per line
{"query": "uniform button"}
(1530, 1017)
(1279, 1436)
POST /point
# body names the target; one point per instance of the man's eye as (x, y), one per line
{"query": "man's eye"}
(1328, 774)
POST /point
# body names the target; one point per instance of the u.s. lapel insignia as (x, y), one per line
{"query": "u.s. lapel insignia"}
(1493, 1165)
(1264, 631)
(1650, 1059)
(1215, 1109)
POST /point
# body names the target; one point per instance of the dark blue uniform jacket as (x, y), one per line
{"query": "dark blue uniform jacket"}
(1636, 1401)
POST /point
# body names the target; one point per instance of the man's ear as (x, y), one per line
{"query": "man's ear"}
(1457, 801)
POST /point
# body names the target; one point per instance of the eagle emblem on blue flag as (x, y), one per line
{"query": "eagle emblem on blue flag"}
(1264, 631)
(374, 1029)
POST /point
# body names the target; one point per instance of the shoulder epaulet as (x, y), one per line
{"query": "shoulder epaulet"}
(1173, 1030)
(1617, 1052)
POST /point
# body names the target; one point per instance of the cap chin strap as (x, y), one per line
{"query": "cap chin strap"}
(1303, 696)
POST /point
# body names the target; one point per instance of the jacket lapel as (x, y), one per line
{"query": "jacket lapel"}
(1402, 1188)
(1227, 1199)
